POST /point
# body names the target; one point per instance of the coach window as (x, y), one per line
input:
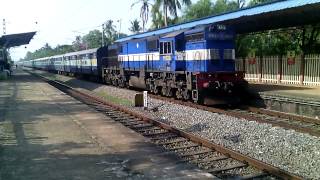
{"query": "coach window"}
(165, 47)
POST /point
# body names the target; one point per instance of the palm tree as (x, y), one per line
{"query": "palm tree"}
(144, 11)
(110, 31)
(135, 26)
(157, 17)
(172, 6)
(241, 3)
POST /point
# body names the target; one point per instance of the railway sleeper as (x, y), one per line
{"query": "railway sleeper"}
(255, 176)
(209, 160)
(172, 142)
(196, 153)
(142, 125)
(218, 170)
(125, 120)
(153, 129)
(127, 123)
(156, 133)
(130, 124)
(95, 104)
(182, 147)
(112, 115)
(161, 137)
(105, 109)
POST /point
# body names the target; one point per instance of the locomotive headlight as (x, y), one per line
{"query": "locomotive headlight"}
(205, 85)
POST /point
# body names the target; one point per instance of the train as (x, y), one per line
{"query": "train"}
(196, 64)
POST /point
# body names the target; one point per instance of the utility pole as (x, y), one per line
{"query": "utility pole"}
(102, 36)
(119, 28)
(4, 26)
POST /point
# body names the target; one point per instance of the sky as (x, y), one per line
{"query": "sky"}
(59, 21)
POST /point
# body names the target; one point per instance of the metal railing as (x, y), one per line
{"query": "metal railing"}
(281, 70)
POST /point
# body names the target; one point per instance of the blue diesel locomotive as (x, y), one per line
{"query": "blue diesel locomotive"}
(192, 64)
(197, 64)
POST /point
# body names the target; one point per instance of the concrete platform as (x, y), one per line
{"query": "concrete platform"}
(45, 134)
(300, 100)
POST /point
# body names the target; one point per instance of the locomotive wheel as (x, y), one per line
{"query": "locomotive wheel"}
(121, 83)
(164, 91)
(186, 95)
(150, 88)
(169, 92)
(178, 94)
(157, 90)
(115, 82)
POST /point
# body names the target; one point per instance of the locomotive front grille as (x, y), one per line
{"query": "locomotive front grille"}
(228, 54)
(214, 54)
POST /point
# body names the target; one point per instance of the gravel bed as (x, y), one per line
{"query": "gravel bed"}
(292, 151)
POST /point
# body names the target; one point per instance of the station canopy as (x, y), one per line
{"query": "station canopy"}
(274, 15)
(12, 40)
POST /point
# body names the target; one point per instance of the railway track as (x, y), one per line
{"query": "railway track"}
(213, 158)
(287, 121)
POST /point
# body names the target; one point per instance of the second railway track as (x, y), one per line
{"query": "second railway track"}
(213, 158)
(288, 121)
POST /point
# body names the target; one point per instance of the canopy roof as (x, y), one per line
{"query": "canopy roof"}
(12, 40)
(274, 15)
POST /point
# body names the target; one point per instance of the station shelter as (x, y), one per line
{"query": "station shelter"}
(12, 40)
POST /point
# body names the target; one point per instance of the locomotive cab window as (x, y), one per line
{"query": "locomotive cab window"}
(195, 37)
(165, 47)
(153, 45)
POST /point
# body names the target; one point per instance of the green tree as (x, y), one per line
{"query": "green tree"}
(110, 32)
(157, 17)
(256, 2)
(135, 26)
(172, 6)
(309, 38)
(144, 11)
(62, 49)
(92, 39)
(200, 9)
(77, 44)
(222, 6)
(205, 8)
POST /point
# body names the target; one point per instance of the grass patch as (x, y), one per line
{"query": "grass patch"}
(115, 99)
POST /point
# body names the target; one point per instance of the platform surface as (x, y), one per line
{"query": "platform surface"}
(303, 93)
(45, 134)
